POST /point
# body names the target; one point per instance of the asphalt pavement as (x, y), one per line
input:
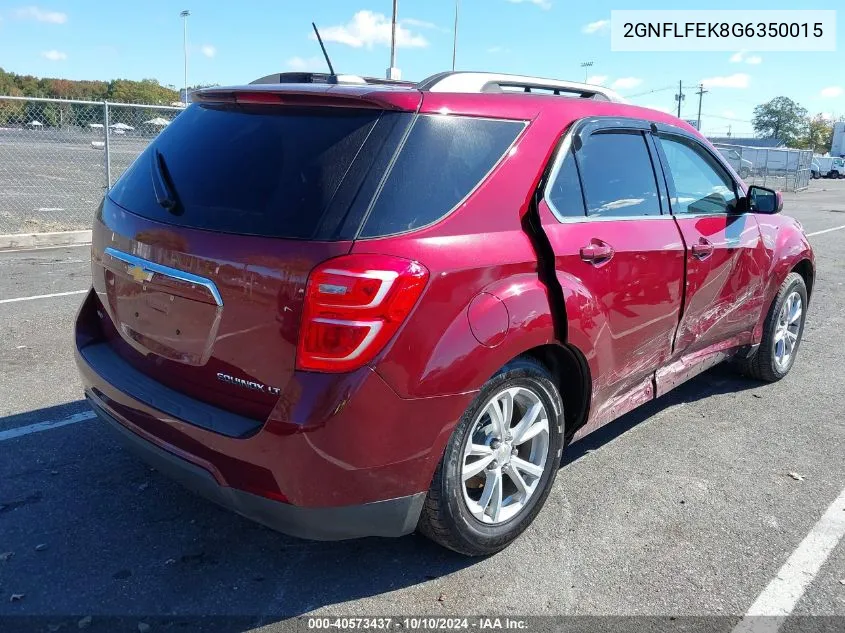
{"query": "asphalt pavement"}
(688, 506)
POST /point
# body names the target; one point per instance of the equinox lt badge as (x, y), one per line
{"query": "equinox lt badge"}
(248, 384)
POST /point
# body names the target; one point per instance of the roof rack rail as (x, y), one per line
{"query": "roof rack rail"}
(474, 82)
(325, 78)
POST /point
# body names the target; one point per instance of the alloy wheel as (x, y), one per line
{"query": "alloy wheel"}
(787, 330)
(505, 455)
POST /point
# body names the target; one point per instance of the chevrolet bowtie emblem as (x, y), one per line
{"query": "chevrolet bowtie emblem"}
(140, 274)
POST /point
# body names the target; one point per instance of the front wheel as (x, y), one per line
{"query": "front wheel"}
(782, 332)
(500, 463)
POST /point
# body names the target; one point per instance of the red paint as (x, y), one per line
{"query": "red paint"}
(635, 301)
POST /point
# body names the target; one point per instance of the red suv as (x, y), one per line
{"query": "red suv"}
(360, 309)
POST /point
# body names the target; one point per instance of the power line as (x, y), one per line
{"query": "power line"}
(648, 92)
(727, 118)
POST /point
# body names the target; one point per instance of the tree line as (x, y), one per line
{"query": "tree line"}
(784, 119)
(146, 91)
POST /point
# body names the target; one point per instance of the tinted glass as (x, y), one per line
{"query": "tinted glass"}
(701, 186)
(442, 161)
(564, 192)
(257, 170)
(618, 176)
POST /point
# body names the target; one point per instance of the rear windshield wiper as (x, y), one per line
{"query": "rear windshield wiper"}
(165, 192)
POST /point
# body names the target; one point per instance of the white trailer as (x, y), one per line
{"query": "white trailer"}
(837, 148)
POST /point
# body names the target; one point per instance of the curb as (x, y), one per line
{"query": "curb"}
(42, 240)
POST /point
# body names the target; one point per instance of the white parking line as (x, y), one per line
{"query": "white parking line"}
(55, 294)
(835, 228)
(780, 596)
(11, 434)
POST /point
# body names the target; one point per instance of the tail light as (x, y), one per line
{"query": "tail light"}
(353, 306)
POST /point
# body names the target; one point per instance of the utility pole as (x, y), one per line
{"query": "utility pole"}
(701, 92)
(184, 15)
(586, 66)
(455, 38)
(680, 97)
(393, 72)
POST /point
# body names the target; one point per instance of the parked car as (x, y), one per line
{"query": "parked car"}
(740, 165)
(815, 169)
(353, 310)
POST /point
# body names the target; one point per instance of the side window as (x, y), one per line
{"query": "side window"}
(618, 175)
(701, 185)
(564, 189)
(443, 160)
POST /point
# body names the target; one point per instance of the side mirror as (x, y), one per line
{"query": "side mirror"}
(764, 200)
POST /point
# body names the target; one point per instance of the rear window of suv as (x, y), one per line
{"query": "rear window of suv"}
(256, 170)
(311, 173)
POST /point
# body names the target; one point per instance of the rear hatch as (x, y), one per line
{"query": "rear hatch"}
(203, 247)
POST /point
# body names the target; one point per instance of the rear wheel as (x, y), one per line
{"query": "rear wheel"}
(782, 332)
(500, 463)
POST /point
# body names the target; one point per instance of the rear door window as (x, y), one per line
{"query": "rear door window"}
(442, 161)
(564, 190)
(257, 170)
(618, 176)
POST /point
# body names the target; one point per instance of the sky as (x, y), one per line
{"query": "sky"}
(236, 42)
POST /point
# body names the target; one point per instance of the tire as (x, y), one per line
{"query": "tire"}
(447, 517)
(764, 364)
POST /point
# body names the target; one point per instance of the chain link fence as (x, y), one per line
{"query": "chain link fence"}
(782, 168)
(58, 157)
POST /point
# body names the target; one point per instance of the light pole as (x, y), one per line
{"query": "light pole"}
(455, 37)
(586, 66)
(184, 15)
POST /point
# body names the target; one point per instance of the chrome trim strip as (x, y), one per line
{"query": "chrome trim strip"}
(167, 271)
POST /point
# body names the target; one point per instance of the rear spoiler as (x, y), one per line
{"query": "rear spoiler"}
(316, 95)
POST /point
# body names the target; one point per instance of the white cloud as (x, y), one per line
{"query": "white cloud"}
(827, 116)
(626, 83)
(737, 80)
(208, 50)
(832, 91)
(729, 114)
(420, 24)
(41, 15)
(743, 56)
(368, 29)
(543, 4)
(597, 80)
(310, 63)
(595, 27)
(54, 56)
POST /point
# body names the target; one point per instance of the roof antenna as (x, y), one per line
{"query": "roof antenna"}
(325, 54)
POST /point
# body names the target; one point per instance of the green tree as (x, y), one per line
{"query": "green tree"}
(780, 118)
(819, 135)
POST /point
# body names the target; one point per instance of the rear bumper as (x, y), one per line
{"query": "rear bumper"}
(393, 517)
(340, 455)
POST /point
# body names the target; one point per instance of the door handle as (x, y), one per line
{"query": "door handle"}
(703, 249)
(597, 252)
